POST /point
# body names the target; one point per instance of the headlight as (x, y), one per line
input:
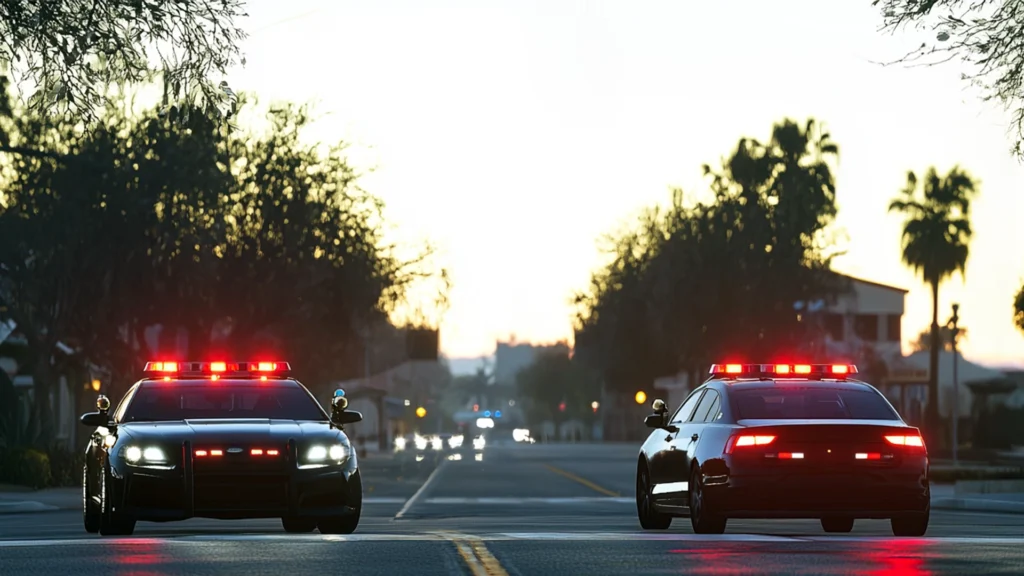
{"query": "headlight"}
(399, 444)
(436, 443)
(421, 442)
(146, 457)
(479, 443)
(320, 456)
(455, 441)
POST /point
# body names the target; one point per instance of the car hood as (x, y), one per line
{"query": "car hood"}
(264, 431)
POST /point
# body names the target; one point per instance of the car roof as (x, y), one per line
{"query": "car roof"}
(221, 383)
(766, 384)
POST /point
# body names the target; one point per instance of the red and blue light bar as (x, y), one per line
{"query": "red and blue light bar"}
(838, 371)
(235, 369)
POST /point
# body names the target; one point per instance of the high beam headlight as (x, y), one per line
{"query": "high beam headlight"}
(337, 452)
(317, 454)
(133, 454)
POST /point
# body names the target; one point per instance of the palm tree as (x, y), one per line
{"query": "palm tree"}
(935, 242)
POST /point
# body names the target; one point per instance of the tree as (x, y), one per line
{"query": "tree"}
(1018, 309)
(936, 238)
(690, 285)
(554, 378)
(71, 53)
(984, 34)
(924, 339)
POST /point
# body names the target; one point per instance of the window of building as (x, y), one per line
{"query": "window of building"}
(866, 327)
(893, 331)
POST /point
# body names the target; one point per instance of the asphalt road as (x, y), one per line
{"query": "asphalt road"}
(519, 510)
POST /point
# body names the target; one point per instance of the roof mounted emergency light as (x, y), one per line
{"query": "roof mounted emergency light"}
(838, 371)
(233, 369)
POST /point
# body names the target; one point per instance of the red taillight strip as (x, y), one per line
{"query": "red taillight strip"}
(744, 440)
(911, 440)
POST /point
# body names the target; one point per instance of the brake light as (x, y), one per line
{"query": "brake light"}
(912, 440)
(791, 455)
(748, 440)
(868, 456)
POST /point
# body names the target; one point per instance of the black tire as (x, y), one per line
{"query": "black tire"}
(911, 526)
(112, 523)
(650, 519)
(702, 517)
(90, 509)
(346, 523)
(837, 524)
(298, 525)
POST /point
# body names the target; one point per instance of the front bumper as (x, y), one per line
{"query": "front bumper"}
(234, 492)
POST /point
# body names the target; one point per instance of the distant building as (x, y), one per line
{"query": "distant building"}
(868, 315)
(511, 357)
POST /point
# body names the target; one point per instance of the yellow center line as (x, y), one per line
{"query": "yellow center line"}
(583, 481)
(476, 556)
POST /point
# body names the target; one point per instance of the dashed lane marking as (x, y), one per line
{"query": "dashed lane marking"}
(475, 541)
(583, 481)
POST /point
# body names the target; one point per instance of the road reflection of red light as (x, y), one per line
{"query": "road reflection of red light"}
(897, 558)
(136, 554)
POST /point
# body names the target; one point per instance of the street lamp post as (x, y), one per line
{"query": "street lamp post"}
(954, 331)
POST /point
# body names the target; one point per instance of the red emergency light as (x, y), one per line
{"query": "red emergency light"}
(838, 371)
(219, 369)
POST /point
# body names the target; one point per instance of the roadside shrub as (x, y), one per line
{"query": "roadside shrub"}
(25, 467)
(65, 467)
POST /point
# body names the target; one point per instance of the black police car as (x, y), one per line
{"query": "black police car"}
(783, 441)
(226, 440)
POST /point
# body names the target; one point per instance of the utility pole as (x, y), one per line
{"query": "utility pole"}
(954, 331)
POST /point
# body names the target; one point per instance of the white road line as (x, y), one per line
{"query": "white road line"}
(519, 536)
(383, 500)
(516, 501)
(419, 493)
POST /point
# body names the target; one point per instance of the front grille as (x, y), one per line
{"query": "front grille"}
(236, 492)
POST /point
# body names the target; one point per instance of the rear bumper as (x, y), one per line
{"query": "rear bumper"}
(182, 493)
(875, 493)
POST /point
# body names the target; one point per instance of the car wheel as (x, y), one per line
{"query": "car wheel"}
(913, 526)
(346, 523)
(834, 524)
(298, 525)
(90, 509)
(112, 523)
(650, 519)
(702, 517)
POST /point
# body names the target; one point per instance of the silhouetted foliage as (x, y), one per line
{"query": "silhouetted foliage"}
(936, 238)
(249, 244)
(1018, 309)
(983, 34)
(554, 378)
(691, 285)
(71, 53)
(924, 339)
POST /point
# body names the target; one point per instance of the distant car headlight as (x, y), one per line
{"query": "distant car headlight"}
(322, 455)
(399, 444)
(146, 457)
(421, 442)
(455, 442)
(479, 443)
(437, 443)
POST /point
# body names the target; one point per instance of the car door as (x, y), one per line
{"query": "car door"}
(684, 446)
(667, 458)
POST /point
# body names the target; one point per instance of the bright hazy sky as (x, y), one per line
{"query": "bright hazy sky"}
(515, 133)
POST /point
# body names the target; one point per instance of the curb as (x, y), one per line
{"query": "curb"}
(25, 507)
(978, 505)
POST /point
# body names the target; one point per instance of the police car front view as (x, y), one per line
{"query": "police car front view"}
(783, 441)
(226, 440)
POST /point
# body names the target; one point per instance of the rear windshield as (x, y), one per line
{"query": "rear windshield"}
(811, 404)
(161, 402)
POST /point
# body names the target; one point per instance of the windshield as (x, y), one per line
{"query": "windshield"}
(811, 404)
(168, 402)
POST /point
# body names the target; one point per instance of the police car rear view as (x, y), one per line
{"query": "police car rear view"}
(783, 441)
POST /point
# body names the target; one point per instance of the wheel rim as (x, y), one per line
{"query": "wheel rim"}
(642, 496)
(696, 498)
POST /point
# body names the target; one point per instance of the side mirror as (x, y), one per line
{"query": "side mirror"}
(346, 417)
(654, 421)
(96, 419)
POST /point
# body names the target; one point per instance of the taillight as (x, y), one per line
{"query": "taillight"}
(911, 440)
(748, 440)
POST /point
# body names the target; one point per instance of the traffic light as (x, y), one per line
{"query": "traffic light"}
(421, 412)
(476, 407)
(641, 397)
(561, 407)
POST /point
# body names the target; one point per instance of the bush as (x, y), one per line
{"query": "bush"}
(66, 467)
(25, 467)
(954, 474)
